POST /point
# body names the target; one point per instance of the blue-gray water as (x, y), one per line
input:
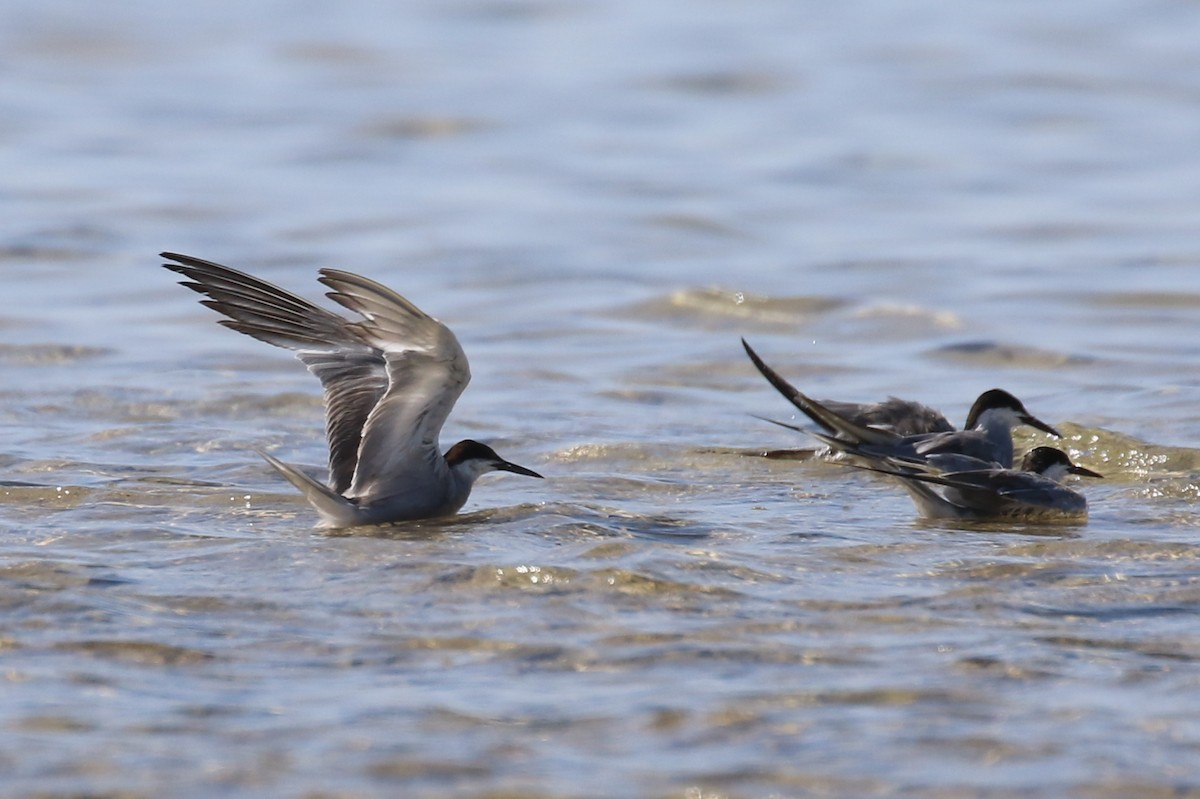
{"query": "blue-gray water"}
(600, 198)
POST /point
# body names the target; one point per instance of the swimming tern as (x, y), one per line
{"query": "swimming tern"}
(987, 436)
(390, 381)
(1032, 493)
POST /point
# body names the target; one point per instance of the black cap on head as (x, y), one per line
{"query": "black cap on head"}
(999, 399)
(469, 450)
(1039, 459)
(993, 399)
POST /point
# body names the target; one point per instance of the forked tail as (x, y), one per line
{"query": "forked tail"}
(335, 510)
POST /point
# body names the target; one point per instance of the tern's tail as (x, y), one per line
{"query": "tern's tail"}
(336, 511)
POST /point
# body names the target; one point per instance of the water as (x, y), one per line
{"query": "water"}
(600, 199)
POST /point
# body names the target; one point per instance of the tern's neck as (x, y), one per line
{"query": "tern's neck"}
(997, 419)
(997, 425)
(465, 473)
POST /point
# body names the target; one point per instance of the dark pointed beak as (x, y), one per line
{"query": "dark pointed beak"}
(1083, 472)
(1033, 421)
(505, 466)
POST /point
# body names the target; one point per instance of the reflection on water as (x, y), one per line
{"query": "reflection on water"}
(600, 200)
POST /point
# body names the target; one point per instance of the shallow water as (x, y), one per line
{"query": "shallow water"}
(600, 199)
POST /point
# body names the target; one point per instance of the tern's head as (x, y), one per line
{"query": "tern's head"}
(998, 407)
(470, 459)
(1053, 463)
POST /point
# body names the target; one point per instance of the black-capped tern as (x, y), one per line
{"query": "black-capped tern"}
(1032, 493)
(987, 436)
(390, 381)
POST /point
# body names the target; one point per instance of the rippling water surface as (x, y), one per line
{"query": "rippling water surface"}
(600, 199)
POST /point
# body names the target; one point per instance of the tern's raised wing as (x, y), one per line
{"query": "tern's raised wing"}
(833, 423)
(351, 369)
(427, 370)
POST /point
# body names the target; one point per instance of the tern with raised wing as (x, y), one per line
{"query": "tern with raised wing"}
(987, 436)
(390, 380)
(1032, 493)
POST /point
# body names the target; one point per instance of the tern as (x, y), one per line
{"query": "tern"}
(987, 436)
(1032, 493)
(390, 381)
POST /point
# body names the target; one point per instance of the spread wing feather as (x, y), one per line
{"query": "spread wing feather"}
(352, 370)
(426, 373)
